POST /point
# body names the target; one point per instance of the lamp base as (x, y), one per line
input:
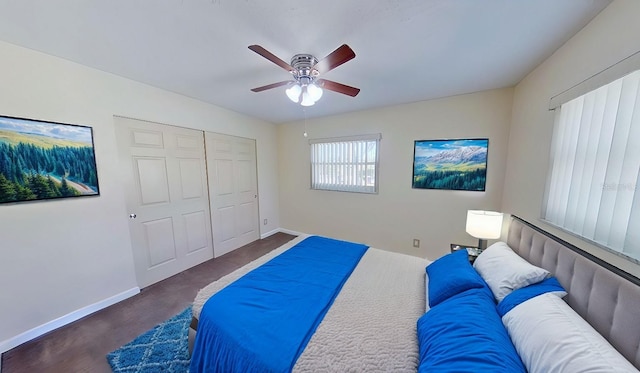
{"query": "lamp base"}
(482, 244)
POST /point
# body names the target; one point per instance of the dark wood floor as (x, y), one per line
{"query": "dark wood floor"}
(82, 345)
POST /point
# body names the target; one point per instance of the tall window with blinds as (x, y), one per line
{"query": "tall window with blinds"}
(592, 189)
(346, 164)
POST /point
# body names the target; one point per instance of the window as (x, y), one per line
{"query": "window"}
(592, 189)
(347, 164)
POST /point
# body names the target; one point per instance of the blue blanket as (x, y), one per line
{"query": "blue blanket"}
(263, 321)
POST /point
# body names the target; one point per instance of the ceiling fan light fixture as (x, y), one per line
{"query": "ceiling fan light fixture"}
(314, 91)
(307, 100)
(293, 92)
(306, 88)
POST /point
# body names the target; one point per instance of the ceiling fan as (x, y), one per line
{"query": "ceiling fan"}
(306, 87)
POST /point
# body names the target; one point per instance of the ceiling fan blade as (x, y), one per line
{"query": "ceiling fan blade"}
(339, 87)
(271, 57)
(272, 85)
(336, 58)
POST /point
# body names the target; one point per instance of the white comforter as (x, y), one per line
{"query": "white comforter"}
(371, 325)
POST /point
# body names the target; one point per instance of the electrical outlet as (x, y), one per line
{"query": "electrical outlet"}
(264, 222)
(416, 242)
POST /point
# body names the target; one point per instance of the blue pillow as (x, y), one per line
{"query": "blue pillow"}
(465, 334)
(521, 295)
(450, 275)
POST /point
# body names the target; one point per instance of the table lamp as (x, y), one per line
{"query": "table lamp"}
(484, 225)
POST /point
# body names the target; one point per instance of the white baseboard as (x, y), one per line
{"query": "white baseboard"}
(10, 343)
(265, 235)
(288, 231)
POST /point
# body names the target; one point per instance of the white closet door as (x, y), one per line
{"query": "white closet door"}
(164, 172)
(231, 165)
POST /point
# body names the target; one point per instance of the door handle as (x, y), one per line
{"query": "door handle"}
(132, 216)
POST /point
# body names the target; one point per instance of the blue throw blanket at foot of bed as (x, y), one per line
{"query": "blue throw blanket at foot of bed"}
(263, 321)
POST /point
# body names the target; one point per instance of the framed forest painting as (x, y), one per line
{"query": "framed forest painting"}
(45, 160)
(450, 164)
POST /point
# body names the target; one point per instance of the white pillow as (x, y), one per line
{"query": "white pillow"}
(551, 337)
(426, 292)
(505, 271)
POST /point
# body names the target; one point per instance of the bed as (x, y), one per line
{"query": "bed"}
(381, 319)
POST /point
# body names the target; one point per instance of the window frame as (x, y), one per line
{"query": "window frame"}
(341, 187)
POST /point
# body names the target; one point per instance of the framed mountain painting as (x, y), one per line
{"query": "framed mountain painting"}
(42, 160)
(450, 164)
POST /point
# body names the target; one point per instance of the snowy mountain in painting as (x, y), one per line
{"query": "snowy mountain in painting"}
(463, 156)
(468, 154)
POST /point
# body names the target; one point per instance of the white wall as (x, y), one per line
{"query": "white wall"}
(608, 38)
(391, 219)
(64, 258)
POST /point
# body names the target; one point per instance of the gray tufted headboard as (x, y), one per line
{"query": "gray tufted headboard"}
(605, 296)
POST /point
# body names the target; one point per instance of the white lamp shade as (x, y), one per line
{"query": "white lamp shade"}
(293, 92)
(314, 91)
(306, 99)
(484, 225)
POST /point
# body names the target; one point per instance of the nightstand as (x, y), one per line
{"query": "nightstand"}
(473, 251)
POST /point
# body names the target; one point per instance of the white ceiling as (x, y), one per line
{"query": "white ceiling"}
(406, 50)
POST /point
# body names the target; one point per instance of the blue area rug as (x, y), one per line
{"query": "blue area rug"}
(161, 349)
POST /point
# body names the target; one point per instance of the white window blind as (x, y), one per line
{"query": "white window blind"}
(347, 164)
(592, 190)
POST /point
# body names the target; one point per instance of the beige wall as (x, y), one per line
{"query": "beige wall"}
(609, 38)
(65, 258)
(397, 214)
